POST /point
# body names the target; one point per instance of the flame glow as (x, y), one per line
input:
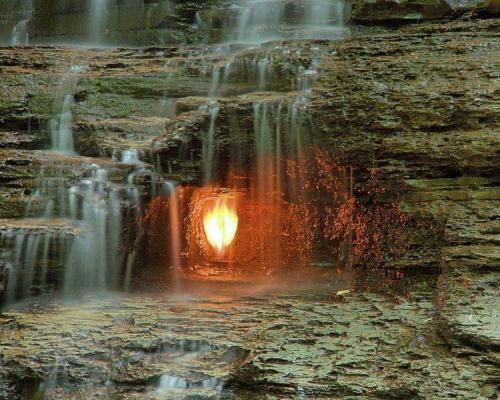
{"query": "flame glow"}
(220, 224)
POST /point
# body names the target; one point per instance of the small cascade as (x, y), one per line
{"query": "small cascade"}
(172, 385)
(61, 128)
(258, 21)
(166, 104)
(322, 12)
(94, 259)
(97, 21)
(263, 138)
(29, 247)
(175, 230)
(190, 355)
(279, 136)
(215, 82)
(20, 35)
(81, 221)
(209, 146)
(264, 72)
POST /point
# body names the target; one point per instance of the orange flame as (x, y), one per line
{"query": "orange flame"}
(220, 224)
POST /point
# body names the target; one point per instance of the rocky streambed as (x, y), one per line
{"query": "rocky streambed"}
(265, 343)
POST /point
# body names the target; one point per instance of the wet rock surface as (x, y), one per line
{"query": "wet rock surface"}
(134, 22)
(419, 106)
(279, 345)
(400, 12)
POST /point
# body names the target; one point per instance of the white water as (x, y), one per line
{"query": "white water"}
(93, 206)
(209, 146)
(20, 34)
(175, 232)
(94, 260)
(29, 252)
(188, 355)
(97, 21)
(170, 384)
(258, 21)
(61, 127)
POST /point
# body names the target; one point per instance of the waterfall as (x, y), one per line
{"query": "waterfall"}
(264, 69)
(263, 138)
(20, 34)
(95, 257)
(209, 146)
(324, 19)
(215, 84)
(170, 384)
(278, 137)
(86, 234)
(97, 21)
(175, 231)
(258, 21)
(61, 128)
(320, 12)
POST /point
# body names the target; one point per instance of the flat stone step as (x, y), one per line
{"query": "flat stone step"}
(42, 226)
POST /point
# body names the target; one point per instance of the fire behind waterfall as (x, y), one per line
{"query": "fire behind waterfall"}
(260, 235)
(220, 221)
(237, 231)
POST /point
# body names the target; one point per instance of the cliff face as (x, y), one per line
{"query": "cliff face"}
(413, 106)
(131, 22)
(160, 22)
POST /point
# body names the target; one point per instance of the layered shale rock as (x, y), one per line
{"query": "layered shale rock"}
(399, 12)
(417, 108)
(314, 345)
(132, 22)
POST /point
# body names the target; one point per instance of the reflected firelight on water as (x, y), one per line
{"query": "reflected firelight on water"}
(220, 224)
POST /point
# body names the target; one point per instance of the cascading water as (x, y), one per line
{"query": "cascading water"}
(209, 146)
(258, 21)
(96, 204)
(175, 231)
(20, 34)
(279, 136)
(61, 128)
(97, 21)
(94, 260)
(89, 248)
(93, 206)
